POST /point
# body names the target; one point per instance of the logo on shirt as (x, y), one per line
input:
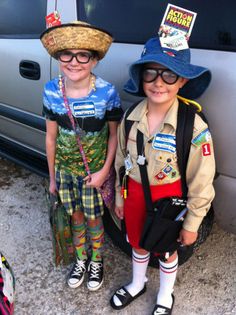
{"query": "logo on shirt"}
(202, 138)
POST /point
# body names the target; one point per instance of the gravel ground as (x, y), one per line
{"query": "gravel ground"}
(205, 285)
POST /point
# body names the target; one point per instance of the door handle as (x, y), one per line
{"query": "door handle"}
(29, 70)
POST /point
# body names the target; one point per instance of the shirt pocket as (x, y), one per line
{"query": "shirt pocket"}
(164, 157)
(166, 168)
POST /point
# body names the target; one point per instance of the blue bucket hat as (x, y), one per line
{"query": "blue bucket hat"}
(177, 61)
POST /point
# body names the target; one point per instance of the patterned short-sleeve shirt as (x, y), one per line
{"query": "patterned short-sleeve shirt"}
(91, 113)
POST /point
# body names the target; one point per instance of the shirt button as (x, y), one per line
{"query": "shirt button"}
(168, 160)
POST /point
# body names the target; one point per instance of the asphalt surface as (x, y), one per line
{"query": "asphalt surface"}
(206, 283)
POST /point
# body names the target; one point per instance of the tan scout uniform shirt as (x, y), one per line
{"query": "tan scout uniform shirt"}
(162, 165)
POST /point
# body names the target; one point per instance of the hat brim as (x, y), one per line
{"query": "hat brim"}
(198, 77)
(76, 36)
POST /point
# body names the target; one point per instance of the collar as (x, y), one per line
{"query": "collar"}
(139, 114)
(171, 115)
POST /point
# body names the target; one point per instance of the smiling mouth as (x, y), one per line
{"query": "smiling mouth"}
(74, 70)
(158, 92)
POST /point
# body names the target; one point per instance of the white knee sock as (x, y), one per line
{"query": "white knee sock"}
(168, 272)
(140, 263)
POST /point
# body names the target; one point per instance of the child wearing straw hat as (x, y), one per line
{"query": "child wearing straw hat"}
(82, 112)
(159, 75)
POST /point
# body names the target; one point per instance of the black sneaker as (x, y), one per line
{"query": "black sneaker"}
(95, 275)
(76, 276)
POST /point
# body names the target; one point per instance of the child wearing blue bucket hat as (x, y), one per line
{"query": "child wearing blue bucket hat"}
(164, 77)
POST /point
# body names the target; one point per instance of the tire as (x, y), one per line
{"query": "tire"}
(184, 253)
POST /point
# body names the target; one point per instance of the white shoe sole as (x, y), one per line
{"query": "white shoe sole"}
(95, 288)
(75, 285)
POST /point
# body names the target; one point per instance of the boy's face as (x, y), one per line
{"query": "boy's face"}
(160, 84)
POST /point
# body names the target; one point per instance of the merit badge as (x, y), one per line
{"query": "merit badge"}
(206, 149)
(161, 175)
(173, 174)
(167, 169)
(164, 142)
(83, 109)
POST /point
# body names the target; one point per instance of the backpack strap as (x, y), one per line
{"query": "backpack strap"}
(184, 133)
(144, 174)
(128, 123)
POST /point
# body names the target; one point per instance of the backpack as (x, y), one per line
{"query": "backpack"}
(7, 287)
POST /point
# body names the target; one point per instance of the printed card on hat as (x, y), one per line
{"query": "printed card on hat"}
(53, 19)
(176, 27)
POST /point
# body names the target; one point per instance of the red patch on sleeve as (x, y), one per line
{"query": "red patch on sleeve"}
(206, 149)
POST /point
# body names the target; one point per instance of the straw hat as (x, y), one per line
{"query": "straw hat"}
(76, 35)
(177, 61)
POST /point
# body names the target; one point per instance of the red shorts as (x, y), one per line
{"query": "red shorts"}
(135, 206)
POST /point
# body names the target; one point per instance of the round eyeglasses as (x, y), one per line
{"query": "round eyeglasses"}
(151, 74)
(81, 57)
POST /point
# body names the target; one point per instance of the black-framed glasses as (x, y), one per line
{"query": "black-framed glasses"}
(81, 57)
(151, 74)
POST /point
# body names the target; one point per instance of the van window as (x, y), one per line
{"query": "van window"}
(135, 21)
(22, 19)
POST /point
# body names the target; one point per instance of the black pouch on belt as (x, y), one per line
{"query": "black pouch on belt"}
(161, 229)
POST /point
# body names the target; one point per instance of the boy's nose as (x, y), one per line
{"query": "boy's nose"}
(158, 80)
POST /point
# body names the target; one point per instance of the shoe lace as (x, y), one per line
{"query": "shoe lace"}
(95, 268)
(79, 267)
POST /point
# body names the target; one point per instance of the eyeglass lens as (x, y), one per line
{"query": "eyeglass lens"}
(150, 75)
(81, 57)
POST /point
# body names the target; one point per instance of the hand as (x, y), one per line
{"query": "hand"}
(119, 211)
(96, 179)
(53, 187)
(186, 237)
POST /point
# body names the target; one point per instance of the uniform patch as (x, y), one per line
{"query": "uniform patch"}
(167, 169)
(83, 109)
(173, 174)
(164, 142)
(202, 138)
(206, 149)
(160, 176)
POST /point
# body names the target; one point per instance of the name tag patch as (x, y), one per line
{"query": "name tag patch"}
(164, 142)
(202, 138)
(83, 109)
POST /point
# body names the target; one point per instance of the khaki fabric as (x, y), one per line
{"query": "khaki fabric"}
(200, 169)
